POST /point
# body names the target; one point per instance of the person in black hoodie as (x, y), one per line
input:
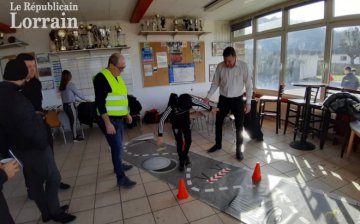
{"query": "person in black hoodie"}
(179, 112)
(25, 133)
(32, 91)
(7, 171)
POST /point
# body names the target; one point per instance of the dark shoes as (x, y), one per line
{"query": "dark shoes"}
(127, 167)
(239, 154)
(62, 218)
(64, 186)
(125, 182)
(78, 138)
(213, 149)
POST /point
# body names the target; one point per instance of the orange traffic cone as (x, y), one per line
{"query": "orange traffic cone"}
(256, 177)
(182, 192)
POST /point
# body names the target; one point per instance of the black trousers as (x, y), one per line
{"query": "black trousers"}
(4, 211)
(43, 179)
(71, 113)
(236, 106)
(183, 142)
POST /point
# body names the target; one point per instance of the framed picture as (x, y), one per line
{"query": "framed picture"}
(212, 68)
(218, 48)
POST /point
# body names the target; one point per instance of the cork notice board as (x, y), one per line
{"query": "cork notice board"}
(166, 63)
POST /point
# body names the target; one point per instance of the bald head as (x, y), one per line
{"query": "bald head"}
(116, 64)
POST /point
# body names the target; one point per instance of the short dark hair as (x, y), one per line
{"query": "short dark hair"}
(348, 68)
(113, 60)
(229, 51)
(25, 57)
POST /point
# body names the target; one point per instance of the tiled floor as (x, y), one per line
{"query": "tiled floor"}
(94, 197)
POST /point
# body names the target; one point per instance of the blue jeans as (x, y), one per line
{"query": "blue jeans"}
(115, 142)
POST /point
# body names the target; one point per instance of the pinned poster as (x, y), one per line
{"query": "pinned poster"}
(147, 54)
(161, 60)
(148, 70)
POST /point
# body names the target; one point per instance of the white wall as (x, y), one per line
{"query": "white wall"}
(150, 97)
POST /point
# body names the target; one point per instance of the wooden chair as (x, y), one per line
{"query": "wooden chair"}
(263, 112)
(52, 119)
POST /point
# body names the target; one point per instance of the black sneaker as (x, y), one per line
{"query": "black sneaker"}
(78, 138)
(127, 167)
(125, 182)
(239, 154)
(64, 218)
(187, 162)
(213, 149)
(64, 186)
(64, 208)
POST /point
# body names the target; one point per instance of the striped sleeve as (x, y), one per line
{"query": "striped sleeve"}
(198, 102)
(162, 121)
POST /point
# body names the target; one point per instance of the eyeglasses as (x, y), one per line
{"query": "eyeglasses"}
(121, 67)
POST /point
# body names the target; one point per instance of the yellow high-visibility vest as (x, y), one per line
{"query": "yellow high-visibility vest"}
(116, 101)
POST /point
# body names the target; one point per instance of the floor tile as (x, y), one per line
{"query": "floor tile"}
(173, 215)
(136, 207)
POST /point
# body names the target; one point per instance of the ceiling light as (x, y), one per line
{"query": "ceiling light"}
(215, 5)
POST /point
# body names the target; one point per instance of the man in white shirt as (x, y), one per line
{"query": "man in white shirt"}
(231, 76)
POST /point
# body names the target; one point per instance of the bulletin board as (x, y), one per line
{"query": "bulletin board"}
(160, 61)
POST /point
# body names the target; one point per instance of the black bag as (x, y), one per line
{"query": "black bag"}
(87, 113)
(134, 105)
(151, 116)
(252, 123)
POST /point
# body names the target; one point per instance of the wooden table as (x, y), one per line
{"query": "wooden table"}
(355, 130)
(303, 144)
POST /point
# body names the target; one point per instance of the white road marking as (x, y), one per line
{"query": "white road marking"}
(209, 190)
(188, 176)
(195, 189)
(223, 188)
(188, 182)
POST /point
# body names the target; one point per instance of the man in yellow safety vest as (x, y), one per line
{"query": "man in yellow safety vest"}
(112, 106)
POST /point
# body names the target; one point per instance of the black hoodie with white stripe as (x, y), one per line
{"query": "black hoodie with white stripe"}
(180, 118)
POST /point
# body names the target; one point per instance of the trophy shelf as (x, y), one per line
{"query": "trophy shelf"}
(173, 33)
(91, 50)
(15, 44)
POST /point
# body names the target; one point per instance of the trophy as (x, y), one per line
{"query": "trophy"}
(1, 38)
(75, 34)
(196, 25)
(147, 25)
(201, 26)
(142, 25)
(154, 25)
(191, 23)
(186, 23)
(157, 19)
(62, 34)
(102, 36)
(107, 34)
(163, 21)
(97, 38)
(89, 29)
(120, 37)
(83, 35)
(176, 24)
(70, 39)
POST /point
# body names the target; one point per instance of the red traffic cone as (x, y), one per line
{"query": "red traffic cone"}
(256, 177)
(182, 192)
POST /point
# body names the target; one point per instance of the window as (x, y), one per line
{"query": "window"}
(304, 58)
(271, 21)
(244, 51)
(268, 63)
(345, 52)
(346, 7)
(313, 11)
(241, 29)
